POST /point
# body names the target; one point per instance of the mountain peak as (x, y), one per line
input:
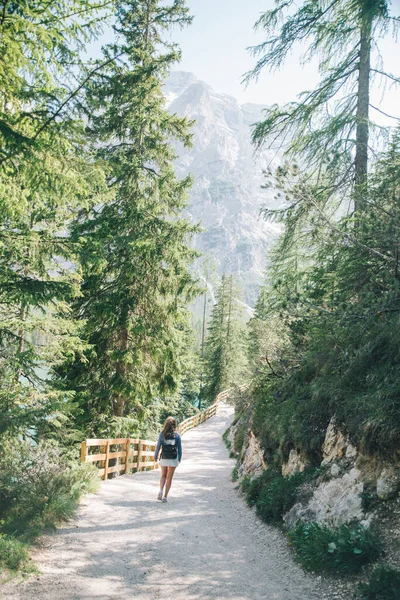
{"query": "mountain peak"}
(227, 195)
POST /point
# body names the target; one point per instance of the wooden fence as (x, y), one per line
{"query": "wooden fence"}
(133, 455)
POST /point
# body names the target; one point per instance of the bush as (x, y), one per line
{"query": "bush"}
(343, 550)
(235, 474)
(228, 443)
(39, 487)
(240, 433)
(272, 494)
(13, 555)
(384, 584)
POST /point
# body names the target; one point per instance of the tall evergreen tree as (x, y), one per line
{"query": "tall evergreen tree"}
(135, 247)
(330, 125)
(46, 175)
(225, 348)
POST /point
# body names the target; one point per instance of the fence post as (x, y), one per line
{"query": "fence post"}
(83, 451)
(106, 461)
(128, 447)
(139, 455)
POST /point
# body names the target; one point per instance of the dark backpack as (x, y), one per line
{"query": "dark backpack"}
(169, 447)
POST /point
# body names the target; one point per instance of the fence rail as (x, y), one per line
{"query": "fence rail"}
(132, 454)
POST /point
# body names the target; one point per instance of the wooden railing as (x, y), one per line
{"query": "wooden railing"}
(133, 455)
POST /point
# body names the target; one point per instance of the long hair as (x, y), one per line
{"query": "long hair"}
(169, 426)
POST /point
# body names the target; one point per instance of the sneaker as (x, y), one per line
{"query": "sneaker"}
(165, 499)
(159, 495)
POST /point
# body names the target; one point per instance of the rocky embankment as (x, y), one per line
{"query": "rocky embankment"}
(350, 488)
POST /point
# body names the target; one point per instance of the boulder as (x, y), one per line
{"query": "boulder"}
(338, 501)
(388, 483)
(295, 464)
(252, 460)
(336, 445)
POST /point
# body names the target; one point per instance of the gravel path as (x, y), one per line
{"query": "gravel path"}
(204, 544)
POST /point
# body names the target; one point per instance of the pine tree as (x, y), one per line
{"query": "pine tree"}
(46, 176)
(135, 247)
(330, 125)
(225, 348)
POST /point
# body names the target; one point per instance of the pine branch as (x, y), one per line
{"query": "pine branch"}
(90, 8)
(388, 75)
(384, 113)
(272, 370)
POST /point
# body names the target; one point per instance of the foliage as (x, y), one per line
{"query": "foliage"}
(344, 550)
(272, 494)
(135, 252)
(235, 474)
(14, 555)
(46, 175)
(240, 433)
(39, 487)
(383, 584)
(228, 443)
(329, 126)
(225, 347)
(336, 308)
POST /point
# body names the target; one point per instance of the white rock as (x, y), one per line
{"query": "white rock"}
(295, 464)
(388, 483)
(252, 459)
(351, 451)
(336, 445)
(335, 470)
(338, 501)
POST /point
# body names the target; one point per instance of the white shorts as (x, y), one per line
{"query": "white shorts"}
(168, 462)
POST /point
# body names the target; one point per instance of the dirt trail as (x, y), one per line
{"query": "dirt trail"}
(204, 544)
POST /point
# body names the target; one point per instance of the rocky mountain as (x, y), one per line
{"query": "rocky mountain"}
(228, 175)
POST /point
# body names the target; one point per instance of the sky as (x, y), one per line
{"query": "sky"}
(214, 48)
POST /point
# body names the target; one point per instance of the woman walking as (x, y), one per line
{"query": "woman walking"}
(169, 442)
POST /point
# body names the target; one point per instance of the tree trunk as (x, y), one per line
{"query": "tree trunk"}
(121, 369)
(202, 349)
(362, 115)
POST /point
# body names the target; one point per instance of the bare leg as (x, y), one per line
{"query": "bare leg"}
(170, 474)
(163, 477)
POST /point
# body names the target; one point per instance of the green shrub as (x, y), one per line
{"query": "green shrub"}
(384, 584)
(13, 555)
(39, 487)
(343, 550)
(368, 500)
(272, 494)
(251, 487)
(240, 434)
(228, 443)
(235, 474)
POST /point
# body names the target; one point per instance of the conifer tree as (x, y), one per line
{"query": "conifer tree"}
(330, 125)
(225, 348)
(46, 175)
(135, 247)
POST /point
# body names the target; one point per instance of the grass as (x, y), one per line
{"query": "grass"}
(342, 551)
(384, 584)
(14, 555)
(355, 377)
(228, 443)
(240, 434)
(235, 474)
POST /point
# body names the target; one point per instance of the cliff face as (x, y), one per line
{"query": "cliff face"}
(349, 487)
(227, 194)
